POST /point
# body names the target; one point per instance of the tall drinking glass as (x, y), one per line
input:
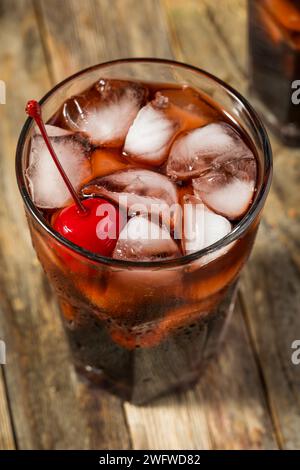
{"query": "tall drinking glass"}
(142, 329)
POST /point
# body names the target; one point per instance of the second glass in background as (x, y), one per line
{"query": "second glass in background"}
(274, 55)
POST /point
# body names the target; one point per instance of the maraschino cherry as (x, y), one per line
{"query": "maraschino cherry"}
(96, 233)
(93, 223)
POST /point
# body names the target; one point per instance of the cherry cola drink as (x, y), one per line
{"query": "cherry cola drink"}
(274, 46)
(172, 167)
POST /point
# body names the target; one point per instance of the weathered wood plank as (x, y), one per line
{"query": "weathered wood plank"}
(196, 39)
(270, 302)
(273, 314)
(229, 18)
(77, 37)
(6, 427)
(282, 210)
(50, 407)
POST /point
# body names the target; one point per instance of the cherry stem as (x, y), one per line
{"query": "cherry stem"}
(33, 109)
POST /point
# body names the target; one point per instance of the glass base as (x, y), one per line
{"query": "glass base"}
(142, 374)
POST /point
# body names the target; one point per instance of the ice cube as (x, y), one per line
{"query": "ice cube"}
(229, 189)
(202, 227)
(143, 191)
(152, 132)
(204, 148)
(106, 111)
(143, 240)
(46, 185)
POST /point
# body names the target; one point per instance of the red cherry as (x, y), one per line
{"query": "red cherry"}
(96, 230)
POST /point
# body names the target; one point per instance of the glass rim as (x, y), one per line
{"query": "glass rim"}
(238, 230)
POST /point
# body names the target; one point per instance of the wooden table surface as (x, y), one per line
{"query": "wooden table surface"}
(249, 397)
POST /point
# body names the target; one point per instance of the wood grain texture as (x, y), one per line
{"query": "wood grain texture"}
(51, 408)
(6, 426)
(273, 314)
(229, 19)
(197, 40)
(77, 37)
